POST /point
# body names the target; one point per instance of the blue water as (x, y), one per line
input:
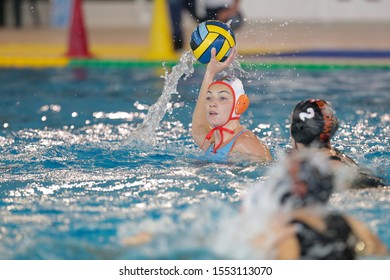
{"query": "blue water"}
(77, 177)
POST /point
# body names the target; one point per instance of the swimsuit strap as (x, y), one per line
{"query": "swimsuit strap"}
(221, 155)
(344, 158)
(220, 129)
(229, 145)
(335, 158)
(336, 242)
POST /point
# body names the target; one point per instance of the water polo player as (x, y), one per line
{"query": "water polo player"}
(303, 226)
(313, 124)
(216, 127)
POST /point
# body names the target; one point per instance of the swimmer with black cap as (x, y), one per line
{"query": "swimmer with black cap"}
(216, 127)
(303, 226)
(313, 124)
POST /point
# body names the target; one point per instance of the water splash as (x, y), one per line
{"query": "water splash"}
(146, 131)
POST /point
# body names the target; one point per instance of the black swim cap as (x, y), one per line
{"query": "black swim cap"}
(313, 120)
(310, 179)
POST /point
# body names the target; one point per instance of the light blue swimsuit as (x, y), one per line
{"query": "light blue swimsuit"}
(221, 155)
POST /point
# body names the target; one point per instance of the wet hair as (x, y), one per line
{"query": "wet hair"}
(307, 179)
(313, 122)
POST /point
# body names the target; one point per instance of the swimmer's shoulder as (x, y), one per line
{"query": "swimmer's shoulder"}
(363, 178)
(249, 143)
(337, 155)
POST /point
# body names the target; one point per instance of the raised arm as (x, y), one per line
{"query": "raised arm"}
(200, 124)
(369, 243)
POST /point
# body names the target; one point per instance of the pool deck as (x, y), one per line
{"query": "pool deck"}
(270, 42)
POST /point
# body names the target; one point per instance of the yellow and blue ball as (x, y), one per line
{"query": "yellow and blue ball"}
(212, 34)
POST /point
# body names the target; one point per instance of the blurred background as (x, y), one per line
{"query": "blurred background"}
(121, 13)
(267, 25)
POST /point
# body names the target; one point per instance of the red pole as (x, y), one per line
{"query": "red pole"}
(78, 45)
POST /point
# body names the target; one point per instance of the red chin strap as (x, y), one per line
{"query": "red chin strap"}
(221, 129)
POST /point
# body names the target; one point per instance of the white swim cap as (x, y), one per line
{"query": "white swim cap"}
(241, 100)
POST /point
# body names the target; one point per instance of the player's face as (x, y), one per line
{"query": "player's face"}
(219, 104)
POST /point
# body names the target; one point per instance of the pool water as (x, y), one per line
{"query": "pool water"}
(84, 165)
